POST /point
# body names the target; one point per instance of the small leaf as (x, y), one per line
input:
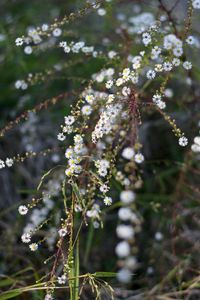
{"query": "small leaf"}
(105, 274)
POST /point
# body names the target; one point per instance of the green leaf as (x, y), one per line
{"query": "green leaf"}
(10, 294)
(105, 274)
(7, 281)
(77, 193)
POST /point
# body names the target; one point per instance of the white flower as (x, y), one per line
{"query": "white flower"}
(168, 93)
(187, 65)
(125, 231)
(196, 4)
(2, 164)
(69, 153)
(89, 99)
(48, 297)
(28, 50)
(109, 84)
(196, 146)
(119, 81)
(126, 91)
(167, 66)
(178, 51)
(123, 249)
(183, 141)
(139, 158)
(127, 196)
(61, 137)
(128, 153)
(9, 162)
(26, 238)
(190, 40)
(112, 54)
(104, 188)
(33, 246)
(22, 209)
(57, 32)
(45, 27)
(156, 98)
(130, 262)
(78, 139)
(161, 104)
(62, 279)
(176, 62)
(124, 213)
(124, 275)
(67, 49)
(158, 236)
(86, 110)
(101, 12)
(126, 72)
(151, 74)
(69, 120)
(62, 232)
(107, 201)
(146, 38)
(19, 42)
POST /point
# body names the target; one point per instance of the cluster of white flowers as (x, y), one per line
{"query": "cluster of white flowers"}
(157, 99)
(106, 122)
(73, 154)
(21, 84)
(7, 163)
(77, 47)
(196, 145)
(126, 232)
(102, 167)
(38, 216)
(141, 22)
(129, 154)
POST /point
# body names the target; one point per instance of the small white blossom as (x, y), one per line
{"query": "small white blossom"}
(62, 279)
(26, 238)
(146, 38)
(109, 84)
(187, 65)
(128, 153)
(107, 201)
(104, 188)
(196, 146)
(48, 297)
(183, 141)
(9, 162)
(89, 99)
(190, 40)
(33, 247)
(151, 74)
(62, 232)
(2, 164)
(61, 137)
(124, 275)
(139, 158)
(196, 4)
(23, 209)
(86, 110)
(125, 232)
(123, 249)
(69, 120)
(127, 196)
(57, 32)
(19, 42)
(119, 81)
